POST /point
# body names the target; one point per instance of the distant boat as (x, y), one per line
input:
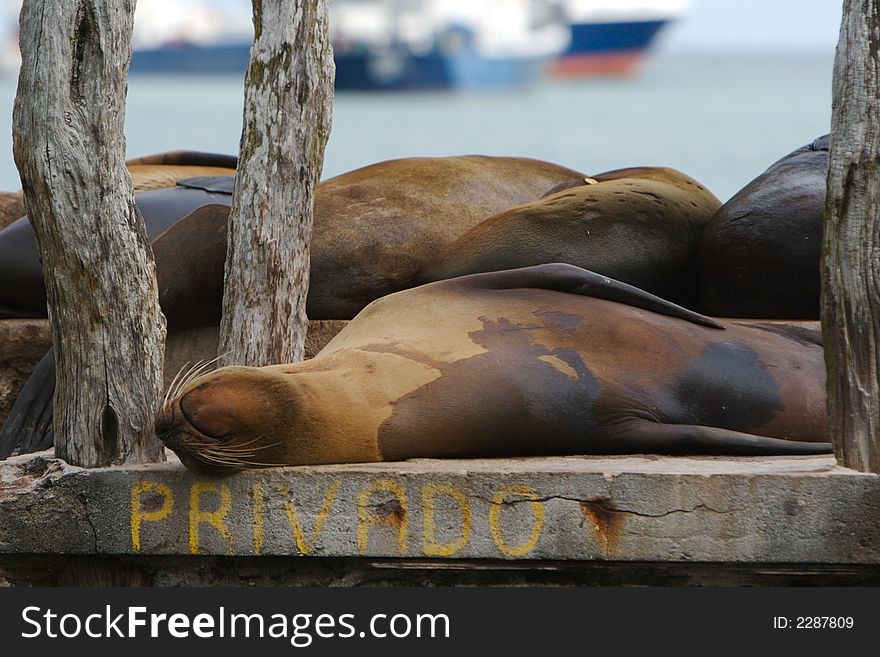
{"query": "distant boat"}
(385, 45)
(443, 44)
(399, 45)
(612, 37)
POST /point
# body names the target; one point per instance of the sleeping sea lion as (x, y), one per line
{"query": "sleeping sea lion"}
(759, 255)
(638, 225)
(545, 360)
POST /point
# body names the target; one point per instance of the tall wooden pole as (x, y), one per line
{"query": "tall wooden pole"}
(851, 259)
(288, 105)
(69, 147)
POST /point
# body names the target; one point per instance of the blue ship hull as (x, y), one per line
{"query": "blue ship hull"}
(464, 71)
(192, 59)
(363, 71)
(612, 37)
(607, 48)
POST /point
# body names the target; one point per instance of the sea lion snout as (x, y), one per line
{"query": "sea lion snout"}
(213, 408)
(218, 420)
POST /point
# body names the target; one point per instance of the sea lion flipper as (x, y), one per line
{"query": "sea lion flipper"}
(656, 438)
(29, 425)
(574, 280)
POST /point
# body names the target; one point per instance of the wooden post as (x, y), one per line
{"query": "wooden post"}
(100, 277)
(851, 259)
(288, 105)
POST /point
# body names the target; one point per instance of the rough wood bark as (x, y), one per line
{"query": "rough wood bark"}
(69, 147)
(288, 105)
(851, 260)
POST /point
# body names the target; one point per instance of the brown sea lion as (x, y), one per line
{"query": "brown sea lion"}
(638, 225)
(545, 360)
(374, 228)
(759, 255)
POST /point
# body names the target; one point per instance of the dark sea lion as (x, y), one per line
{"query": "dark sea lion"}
(759, 255)
(638, 225)
(161, 201)
(22, 291)
(546, 360)
(147, 173)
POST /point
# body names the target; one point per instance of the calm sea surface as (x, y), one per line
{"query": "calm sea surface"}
(721, 120)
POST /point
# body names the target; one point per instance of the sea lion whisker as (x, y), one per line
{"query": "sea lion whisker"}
(199, 368)
(207, 363)
(254, 464)
(235, 451)
(197, 445)
(195, 371)
(208, 456)
(182, 381)
(250, 442)
(260, 448)
(167, 396)
(193, 441)
(202, 455)
(229, 453)
(211, 458)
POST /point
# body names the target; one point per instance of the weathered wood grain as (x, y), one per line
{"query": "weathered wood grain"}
(288, 104)
(69, 147)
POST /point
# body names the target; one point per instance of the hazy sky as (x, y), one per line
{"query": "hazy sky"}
(762, 25)
(730, 25)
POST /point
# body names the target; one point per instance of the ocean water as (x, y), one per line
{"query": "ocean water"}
(720, 119)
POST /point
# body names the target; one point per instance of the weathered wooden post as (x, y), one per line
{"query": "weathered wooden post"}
(851, 259)
(69, 147)
(288, 105)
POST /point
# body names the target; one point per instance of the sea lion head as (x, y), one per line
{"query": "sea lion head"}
(240, 418)
(228, 420)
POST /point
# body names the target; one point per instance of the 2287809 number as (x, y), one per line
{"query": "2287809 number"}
(823, 622)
